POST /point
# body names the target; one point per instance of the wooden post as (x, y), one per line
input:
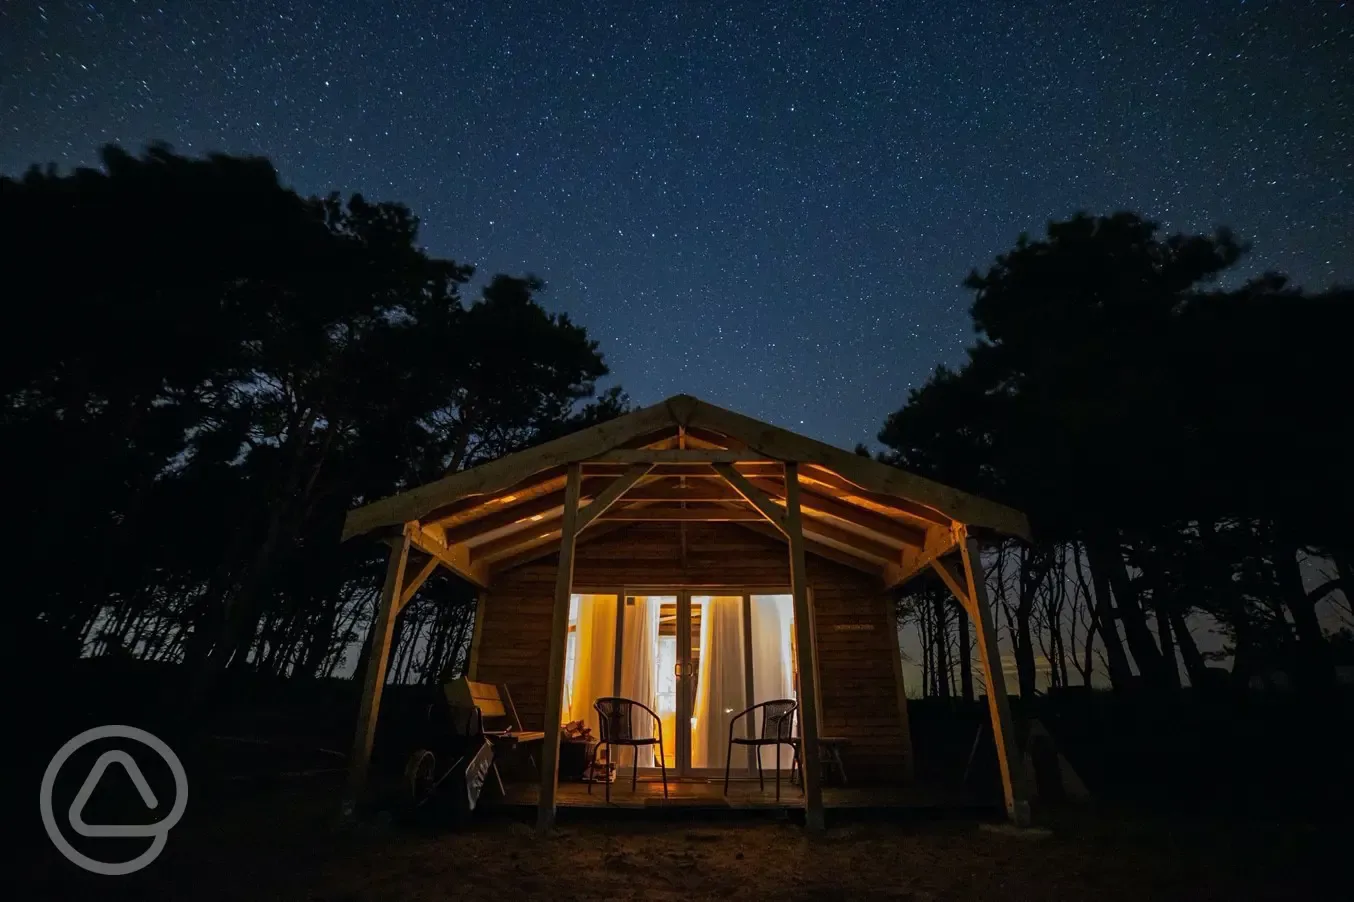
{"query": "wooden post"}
(809, 754)
(559, 640)
(998, 706)
(382, 629)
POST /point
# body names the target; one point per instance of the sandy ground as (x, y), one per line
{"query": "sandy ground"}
(286, 844)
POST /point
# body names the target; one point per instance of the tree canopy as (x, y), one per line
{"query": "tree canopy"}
(204, 371)
(1188, 439)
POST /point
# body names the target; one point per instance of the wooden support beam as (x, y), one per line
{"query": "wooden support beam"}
(675, 456)
(756, 497)
(413, 585)
(505, 472)
(702, 490)
(669, 512)
(501, 516)
(810, 755)
(542, 534)
(821, 476)
(768, 468)
(611, 494)
(939, 541)
(854, 561)
(955, 582)
(559, 628)
(547, 482)
(547, 547)
(505, 546)
(456, 558)
(998, 705)
(373, 681)
(818, 505)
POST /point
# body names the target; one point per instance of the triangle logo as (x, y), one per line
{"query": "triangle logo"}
(82, 797)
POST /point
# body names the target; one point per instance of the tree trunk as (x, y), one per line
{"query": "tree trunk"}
(1102, 621)
(1195, 665)
(942, 637)
(1170, 670)
(965, 656)
(1106, 558)
(1314, 661)
(1033, 570)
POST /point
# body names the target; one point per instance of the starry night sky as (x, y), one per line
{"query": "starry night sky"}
(770, 206)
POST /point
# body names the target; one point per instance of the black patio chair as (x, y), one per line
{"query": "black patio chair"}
(778, 719)
(617, 721)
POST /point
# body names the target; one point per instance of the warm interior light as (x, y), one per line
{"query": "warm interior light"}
(537, 518)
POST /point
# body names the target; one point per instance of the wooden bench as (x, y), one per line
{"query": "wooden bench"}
(502, 726)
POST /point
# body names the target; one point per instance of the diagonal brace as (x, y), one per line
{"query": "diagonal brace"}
(754, 496)
(611, 494)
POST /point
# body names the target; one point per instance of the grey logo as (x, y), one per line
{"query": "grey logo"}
(158, 830)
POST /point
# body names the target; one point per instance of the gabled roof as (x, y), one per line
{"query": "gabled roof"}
(492, 514)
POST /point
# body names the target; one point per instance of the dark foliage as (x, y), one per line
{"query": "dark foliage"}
(1180, 450)
(203, 371)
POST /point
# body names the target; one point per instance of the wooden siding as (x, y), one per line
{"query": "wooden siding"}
(853, 618)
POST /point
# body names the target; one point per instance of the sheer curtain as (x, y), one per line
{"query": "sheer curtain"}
(594, 658)
(639, 647)
(772, 662)
(721, 689)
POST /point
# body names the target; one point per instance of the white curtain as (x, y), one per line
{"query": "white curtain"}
(639, 648)
(721, 690)
(594, 673)
(772, 662)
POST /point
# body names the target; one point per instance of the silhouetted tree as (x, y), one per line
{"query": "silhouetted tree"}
(1187, 441)
(204, 371)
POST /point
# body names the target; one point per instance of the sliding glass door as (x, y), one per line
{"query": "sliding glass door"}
(697, 659)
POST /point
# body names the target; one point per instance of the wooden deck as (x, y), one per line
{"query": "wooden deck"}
(743, 795)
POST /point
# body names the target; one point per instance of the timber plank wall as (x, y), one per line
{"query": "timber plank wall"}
(853, 620)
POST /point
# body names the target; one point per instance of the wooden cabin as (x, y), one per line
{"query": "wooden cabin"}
(699, 561)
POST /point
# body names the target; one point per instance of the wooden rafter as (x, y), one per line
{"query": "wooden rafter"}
(867, 474)
(503, 517)
(698, 470)
(538, 550)
(506, 472)
(817, 505)
(544, 483)
(662, 489)
(819, 478)
(457, 558)
(752, 495)
(674, 456)
(543, 531)
(854, 561)
(938, 542)
(611, 494)
(673, 512)
(683, 438)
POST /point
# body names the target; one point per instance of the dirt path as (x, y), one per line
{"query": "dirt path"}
(286, 846)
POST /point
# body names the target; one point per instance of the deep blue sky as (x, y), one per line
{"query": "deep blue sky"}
(767, 205)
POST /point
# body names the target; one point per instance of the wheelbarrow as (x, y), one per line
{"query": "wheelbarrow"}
(444, 775)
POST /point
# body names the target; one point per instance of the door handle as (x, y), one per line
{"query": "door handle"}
(679, 669)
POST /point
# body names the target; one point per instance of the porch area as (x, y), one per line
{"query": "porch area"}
(744, 795)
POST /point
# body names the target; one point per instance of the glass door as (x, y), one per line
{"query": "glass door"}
(746, 657)
(696, 659)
